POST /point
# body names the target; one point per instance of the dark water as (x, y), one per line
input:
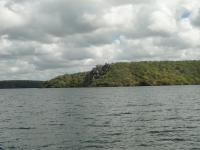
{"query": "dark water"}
(138, 118)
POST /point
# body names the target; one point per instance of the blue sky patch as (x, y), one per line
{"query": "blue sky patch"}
(115, 38)
(185, 14)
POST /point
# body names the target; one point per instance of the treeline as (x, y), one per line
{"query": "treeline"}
(147, 73)
(21, 84)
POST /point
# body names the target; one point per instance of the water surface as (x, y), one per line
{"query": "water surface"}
(135, 118)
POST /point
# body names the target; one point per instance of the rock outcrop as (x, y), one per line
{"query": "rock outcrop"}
(95, 73)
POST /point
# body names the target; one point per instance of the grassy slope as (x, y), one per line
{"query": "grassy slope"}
(136, 74)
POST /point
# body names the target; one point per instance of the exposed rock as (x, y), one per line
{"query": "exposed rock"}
(95, 73)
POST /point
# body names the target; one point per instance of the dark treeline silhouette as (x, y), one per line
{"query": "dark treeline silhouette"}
(21, 84)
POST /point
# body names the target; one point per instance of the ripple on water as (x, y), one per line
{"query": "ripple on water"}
(96, 119)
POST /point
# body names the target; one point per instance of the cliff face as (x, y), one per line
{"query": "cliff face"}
(133, 74)
(83, 79)
(96, 73)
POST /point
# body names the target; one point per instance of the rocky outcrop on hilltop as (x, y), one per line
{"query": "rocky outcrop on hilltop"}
(95, 73)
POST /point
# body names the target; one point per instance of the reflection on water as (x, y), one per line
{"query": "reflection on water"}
(140, 118)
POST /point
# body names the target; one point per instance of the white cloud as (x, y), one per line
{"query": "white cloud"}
(42, 39)
(163, 21)
(9, 18)
(189, 34)
(122, 16)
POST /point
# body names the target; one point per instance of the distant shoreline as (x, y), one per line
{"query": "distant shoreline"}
(16, 84)
(124, 74)
(99, 87)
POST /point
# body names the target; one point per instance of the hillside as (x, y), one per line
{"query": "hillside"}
(147, 73)
(20, 84)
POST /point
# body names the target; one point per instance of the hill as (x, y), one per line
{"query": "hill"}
(146, 73)
(20, 84)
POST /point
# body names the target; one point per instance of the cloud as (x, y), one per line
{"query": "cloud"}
(42, 39)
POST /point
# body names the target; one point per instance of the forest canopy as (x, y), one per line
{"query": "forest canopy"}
(146, 73)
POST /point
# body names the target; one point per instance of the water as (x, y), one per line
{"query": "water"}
(138, 118)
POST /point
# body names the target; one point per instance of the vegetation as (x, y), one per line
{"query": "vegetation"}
(73, 80)
(147, 73)
(20, 84)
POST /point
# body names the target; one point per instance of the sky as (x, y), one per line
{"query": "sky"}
(45, 38)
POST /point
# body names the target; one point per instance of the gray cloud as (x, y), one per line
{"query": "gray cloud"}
(42, 39)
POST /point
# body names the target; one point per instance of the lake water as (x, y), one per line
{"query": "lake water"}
(135, 118)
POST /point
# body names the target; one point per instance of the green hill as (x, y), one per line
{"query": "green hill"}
(147, 73)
